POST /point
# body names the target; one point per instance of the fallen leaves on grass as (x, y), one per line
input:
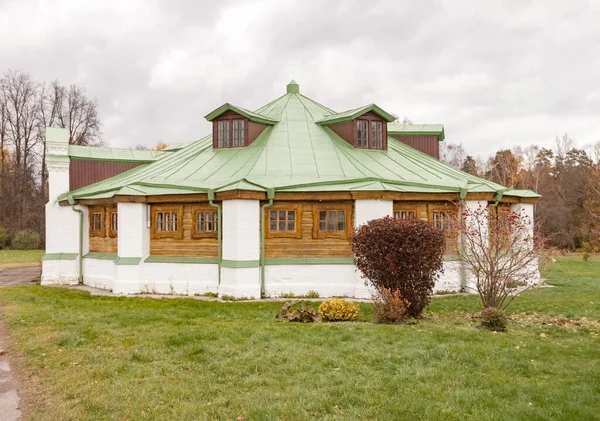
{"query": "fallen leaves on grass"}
(554, 321)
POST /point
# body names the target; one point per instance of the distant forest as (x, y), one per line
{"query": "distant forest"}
(568, 177)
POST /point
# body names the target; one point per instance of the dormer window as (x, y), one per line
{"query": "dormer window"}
(238, 133)
(362, 133)
(376, 135)
(235, 127)
(231, 133)
(369, 132)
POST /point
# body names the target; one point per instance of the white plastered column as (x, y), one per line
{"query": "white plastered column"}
(133, 247)
(525, 211)
(61, 262)
(364, 211)
(240, 272)
(475, 207)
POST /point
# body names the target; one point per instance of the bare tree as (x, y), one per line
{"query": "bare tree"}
(452, 154)
(21, 132)
(71, 109)
(405, 120)
(499, 249)
(26, 109)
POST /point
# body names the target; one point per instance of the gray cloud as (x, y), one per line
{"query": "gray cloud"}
(496, 74)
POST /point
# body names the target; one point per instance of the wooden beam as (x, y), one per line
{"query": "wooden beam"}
(382, 195)
(178, 198)
(241, 194)
(314, 196)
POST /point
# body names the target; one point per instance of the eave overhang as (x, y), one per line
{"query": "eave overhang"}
(250, 115)
(355, 113)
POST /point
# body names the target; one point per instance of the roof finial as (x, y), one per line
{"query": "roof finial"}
(293, 87)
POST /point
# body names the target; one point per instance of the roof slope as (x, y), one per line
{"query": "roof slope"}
(295, 154)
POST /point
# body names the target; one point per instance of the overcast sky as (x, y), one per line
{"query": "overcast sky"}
(495, 73)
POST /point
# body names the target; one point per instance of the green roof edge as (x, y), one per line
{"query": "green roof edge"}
(344, 116)
(105, 154)
(250, 115)
(438, 133)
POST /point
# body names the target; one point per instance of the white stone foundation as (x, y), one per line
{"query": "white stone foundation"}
(60, 272)
(327, 280)
(99, 273)
(179, 278)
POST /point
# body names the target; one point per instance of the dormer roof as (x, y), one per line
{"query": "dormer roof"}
(355, 113)
(417, 130)
(250, 115)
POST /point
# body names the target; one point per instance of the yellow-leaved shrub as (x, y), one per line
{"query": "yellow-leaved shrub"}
(338, 310)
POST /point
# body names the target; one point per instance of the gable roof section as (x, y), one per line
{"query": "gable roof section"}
(296, 154)
(250, 115)
(355, 113)
(417, 130)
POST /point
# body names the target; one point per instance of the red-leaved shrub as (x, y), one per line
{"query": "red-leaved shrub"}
(404, 255)
(390, 307)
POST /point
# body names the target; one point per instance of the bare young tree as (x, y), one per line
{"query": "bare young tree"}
(26, 109)
(405, 120)
(69, 108)
(19, 97)
(452, 154)
(500, 251)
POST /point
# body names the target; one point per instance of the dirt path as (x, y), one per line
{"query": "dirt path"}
(19, 276)
(10, 402)
(9, 398)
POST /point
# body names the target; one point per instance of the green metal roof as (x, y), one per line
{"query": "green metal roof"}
(174, 147)
(93, 153)
(417, 130)
(252, 116)
(296, 154)
(522, 193)
(352, 114)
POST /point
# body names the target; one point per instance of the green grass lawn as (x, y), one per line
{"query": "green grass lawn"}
(20, 258)
(104, 358)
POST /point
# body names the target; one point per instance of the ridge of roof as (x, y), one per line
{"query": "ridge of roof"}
(417, 129)
(250, 115)
(97, 153)
(354, 113)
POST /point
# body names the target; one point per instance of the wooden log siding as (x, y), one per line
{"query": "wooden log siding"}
(186, 246)
(84, 172)
(105, 241)
(427, 144)
(305, 245)
(424, 211)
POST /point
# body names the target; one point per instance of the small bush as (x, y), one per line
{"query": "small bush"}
(210, 294)
(309, 294)
(339, 310)
(299, 311)
(390, 307)
(26, 240)
(401, 254)
(226, 297)
(3, 237)
(312, 294)
(585, 256)
(493, 319)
